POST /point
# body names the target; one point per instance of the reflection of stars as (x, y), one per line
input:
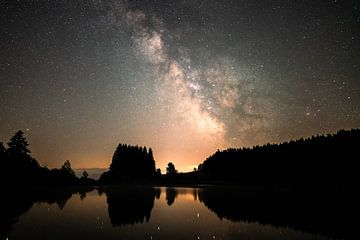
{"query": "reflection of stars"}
(100, 224)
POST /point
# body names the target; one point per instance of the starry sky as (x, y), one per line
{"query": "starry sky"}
(183, 77)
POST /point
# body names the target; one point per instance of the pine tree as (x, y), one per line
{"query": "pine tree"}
(21, 167)
(18, 145)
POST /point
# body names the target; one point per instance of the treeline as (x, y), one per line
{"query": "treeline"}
(130, 164)
(20, 168)
(319, 159)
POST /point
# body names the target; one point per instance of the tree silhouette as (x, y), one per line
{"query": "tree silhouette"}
(327, 159)
(130, 163)
(22, 169)
(4, 162)
(170, 195)
(66, 168)
(150, 162)
(18, 144)
(85, 180)
(2, 148)
(84, 175)
(20, 200)
(170, 169)
(128, 205)
(322, 159)
(325, 210)
(2, 151)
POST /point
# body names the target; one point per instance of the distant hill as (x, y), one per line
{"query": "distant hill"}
(94, 173)
(328, 158)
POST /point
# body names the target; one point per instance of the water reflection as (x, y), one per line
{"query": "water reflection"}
(16, 202)
(176, 213)
(171, 194)
(316, 210)
(130, 205)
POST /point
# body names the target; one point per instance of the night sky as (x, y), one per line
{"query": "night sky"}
(183, 77)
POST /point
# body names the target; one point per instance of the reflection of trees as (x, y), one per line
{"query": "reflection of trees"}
(173, 192)
(14, 203)
(315, 210)
(130, 205)
(170, 195)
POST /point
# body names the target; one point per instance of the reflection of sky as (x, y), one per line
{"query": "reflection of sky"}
(186, 218)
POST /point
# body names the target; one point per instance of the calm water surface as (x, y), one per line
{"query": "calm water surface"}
(152, 213)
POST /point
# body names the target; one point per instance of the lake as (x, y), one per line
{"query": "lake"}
(134, 212)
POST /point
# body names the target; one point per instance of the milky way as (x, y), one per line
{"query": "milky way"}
(218, 99)
(185, 78)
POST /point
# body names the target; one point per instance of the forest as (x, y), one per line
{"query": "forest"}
(319, 159)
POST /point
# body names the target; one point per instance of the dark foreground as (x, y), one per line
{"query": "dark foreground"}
(134, 212)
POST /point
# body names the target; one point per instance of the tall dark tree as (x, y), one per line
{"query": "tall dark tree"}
(20, 167)
(18, 144)
(150, 163)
